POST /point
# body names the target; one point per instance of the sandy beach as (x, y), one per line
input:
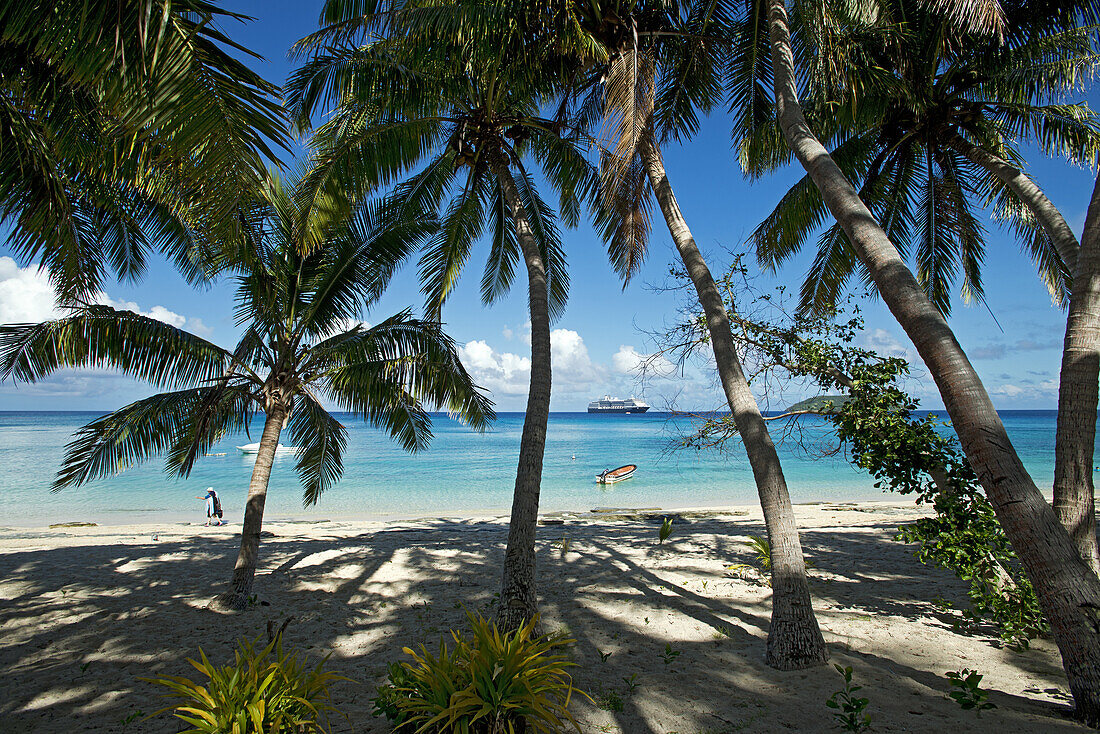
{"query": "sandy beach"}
(86, 611)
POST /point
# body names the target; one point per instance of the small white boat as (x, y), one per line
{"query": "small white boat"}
(610, 476)
(253, 448)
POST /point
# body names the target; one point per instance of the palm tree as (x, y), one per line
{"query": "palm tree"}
(924, 128)
(123, 127)
(453, 98)
(303, 278)
(1067, 589)
(925, 121)
(660, 64)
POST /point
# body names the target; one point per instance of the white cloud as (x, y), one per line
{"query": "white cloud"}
(508, 334)
(886, 345)
(160, 313)
(1009, 390)
(505, 373)
(501, 373)
(628, 361)
(196, 326)
(570, 361)
(26, 295)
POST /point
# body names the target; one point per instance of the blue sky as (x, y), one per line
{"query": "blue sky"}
(599, 339)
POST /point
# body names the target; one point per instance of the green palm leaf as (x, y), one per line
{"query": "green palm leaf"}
(321, 440)
(100, 336)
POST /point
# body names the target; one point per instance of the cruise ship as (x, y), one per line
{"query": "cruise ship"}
(608, 404)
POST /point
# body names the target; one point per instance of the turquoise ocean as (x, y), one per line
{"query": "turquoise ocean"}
(461, 473)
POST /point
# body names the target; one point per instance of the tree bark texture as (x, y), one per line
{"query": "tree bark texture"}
(518, 597)
(794, 640)
(1077, 396)
(1048, 216)
(1074, 495)
(244, 572)
(1067, 589)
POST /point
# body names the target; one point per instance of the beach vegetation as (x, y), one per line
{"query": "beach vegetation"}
(305, 273)
(849, 709)
(609, 700)
(907, 454)
(665, 531)
(266, 690)
(668, 657)
(762, 552)
(967, 691)
(485, 682)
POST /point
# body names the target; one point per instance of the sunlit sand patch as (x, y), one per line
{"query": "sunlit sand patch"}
(55, 696)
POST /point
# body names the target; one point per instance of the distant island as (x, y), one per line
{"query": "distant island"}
(820, 404)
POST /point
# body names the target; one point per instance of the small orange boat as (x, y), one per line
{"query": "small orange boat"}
(610, 476)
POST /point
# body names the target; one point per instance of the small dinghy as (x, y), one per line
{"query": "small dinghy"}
(610, 476)
(254, 448)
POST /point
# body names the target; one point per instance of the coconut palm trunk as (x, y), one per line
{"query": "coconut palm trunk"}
(1077, 393)
(1077, 396)
(1067, 589)
(1048, 216)
(518, 600)
(244, 572)
(794, 640)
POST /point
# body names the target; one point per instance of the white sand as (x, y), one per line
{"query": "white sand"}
(85, 611)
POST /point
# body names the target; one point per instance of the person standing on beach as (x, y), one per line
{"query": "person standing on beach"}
(213, 507)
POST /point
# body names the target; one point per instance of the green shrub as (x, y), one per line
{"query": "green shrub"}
(485, 683)
(264, 691)
(850, 714)
(968, 694)
(665, 531)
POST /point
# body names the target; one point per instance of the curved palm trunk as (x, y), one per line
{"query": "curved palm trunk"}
(1077, 392)
(244, 572)
(1067, 589)
(1048, 216)
(518, 600)
(1077, 396)
(794, 640)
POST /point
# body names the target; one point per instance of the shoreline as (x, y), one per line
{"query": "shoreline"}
(179, 521)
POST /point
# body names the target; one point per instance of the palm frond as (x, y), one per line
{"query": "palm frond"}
(386, 374)
(145, 428)
(100, 336)
(321, 440)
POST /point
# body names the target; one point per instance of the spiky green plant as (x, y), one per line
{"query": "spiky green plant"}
(762, 550)
(265, 690)
(665, 531)
(489, 682)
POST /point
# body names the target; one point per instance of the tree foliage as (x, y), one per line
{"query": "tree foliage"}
(878, 428)
(904, 98)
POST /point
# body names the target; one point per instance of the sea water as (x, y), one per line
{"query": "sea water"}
(461, 473)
